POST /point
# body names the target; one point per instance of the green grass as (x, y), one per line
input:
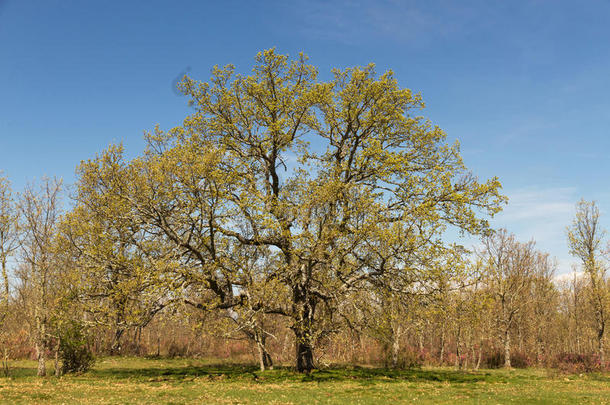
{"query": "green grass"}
(178, 381)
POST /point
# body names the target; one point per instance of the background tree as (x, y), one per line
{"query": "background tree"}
(40, 210)
(118, 268)
(585, 238)
(9, 243)
(510, 265)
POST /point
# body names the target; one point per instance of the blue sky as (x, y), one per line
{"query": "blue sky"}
(523, 85)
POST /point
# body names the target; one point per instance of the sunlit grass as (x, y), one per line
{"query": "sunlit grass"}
(175, 381)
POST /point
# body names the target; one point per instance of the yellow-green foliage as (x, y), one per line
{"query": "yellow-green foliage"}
(333, 185)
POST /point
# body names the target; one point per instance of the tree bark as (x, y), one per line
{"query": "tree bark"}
(395, 346)
(5, 367)
(507, 349)
(304, 352)
(40, 344)
(457, 347)
(57, 368)
(42, 371)
(304, 308)
(264, 358)
(600, 346)
(442, 355)
(115, 348)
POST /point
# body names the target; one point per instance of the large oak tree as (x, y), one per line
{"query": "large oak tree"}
(338, 185)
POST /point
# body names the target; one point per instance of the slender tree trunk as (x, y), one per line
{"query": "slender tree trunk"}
(5, 291)
(442, 355)
(40, 345)
(57, 368)
(479, 358)
(264, 358)
(600, 346)
(507, 348)
(261, 356)
(4, 311)
(395, 345)
(268, 362)
(5, 363)
(457, 347)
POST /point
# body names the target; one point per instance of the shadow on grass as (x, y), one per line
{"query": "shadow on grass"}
(219, 372)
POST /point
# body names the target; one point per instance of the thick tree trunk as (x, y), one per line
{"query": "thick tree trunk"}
(115, 348)
(304, 308)
(304, 352)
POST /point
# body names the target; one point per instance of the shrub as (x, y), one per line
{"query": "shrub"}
(495, 359)
(407, 358)
(176, 350)
(74, 349)
(574, 363)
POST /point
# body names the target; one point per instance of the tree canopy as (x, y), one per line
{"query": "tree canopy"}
(332, 186)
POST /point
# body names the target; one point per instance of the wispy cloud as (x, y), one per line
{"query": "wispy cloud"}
(565, 278)
(541, 214)
(349, 21)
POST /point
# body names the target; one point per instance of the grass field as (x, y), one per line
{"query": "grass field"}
(177, 381)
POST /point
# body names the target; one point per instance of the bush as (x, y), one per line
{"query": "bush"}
(574, 363)
(74, 349)
(495, 359)
(407, 358)
(176, 350)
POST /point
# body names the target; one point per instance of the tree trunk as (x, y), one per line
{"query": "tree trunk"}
(304, 308)
(442, 347)
(600, 347)
(42, 371)
(304, 352)
(57, 368)
(480, 355)
(395, 345)
(40, 343)
(507, 349)
(457, 347)
(264, 358)
(115, 348)
(261, 356)
(268, 362)
(5, 292)
(5, 363)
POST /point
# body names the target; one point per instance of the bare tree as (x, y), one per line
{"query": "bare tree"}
(585, 240)
(510, 266)
(40, 210)
(9, 242)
